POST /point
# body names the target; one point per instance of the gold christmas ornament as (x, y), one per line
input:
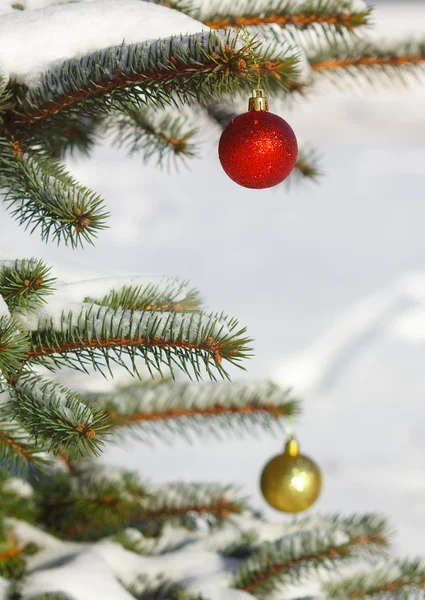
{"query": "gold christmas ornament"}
(291, 482)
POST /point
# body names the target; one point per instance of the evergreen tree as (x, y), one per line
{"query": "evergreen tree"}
(70, 528)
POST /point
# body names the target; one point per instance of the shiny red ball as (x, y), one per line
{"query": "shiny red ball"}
(258, 149)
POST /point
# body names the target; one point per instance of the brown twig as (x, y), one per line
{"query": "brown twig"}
(331, 553)
(210, 345)
(217, 409)
(367, 61)
(301, 20)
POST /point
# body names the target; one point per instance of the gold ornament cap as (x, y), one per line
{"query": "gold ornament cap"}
(291, 482)
(258, 101)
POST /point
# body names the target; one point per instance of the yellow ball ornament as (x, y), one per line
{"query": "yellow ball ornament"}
(291, 482)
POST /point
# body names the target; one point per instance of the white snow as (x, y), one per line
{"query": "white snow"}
(4, 310)
(19, 486)
(48, 36)
(4, 589)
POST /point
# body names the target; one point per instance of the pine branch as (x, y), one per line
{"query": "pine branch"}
(325, 15)
(165, 137)
(166, 296)
(213, 408)
(307, 166)
(371, 60)
(14, 504)
(287, 560)
(16, 451)
(155, 73)
(395, 579)
(5, 98)
(13, 557)
(24, 283)
(99, 336)
(87, 508)
(14, 346)
(57, 418)
(42, 194)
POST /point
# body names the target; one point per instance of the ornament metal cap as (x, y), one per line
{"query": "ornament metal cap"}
(258, 101)
(291, 448)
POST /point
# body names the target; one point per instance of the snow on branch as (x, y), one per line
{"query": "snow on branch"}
(209, 408)
(167, 294)
(393, 579)
(77, 29)
(157, 72)
(90, 505)
(292, 557)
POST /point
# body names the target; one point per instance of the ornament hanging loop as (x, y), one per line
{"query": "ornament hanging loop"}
(258, 101)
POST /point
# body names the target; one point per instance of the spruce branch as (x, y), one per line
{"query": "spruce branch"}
(394, 579)
(57, 417)
(14, 346)
(25, 283)
(371, 60)
(16, 449)
(40, 193)
(13, 557)
(178, 409)
(293, 557)
(5, 98)
(168, 295)
(165, 137)
(85, 507)
(160, 72)
(330, 16)
(100, 336)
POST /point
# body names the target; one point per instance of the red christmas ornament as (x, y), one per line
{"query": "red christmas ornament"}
(258, 149)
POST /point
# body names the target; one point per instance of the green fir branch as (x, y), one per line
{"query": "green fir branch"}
(168, 295)
(155, 135)
(157, 73)
(217, 409)
(56, 418)
(13, 557)
(14, 346)
(101, 336)
(296, 556)
(40, 193)
(369, 61)
(6, 98)
(12, 503)
(25, 283)
(17, 451)
(307, 166)
(87, 506)
(332, 17)
(390, 581)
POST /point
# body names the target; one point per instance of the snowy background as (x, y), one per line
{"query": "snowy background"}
(328, 278)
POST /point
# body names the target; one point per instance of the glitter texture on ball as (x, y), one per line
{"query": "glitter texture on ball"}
(258, 149)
